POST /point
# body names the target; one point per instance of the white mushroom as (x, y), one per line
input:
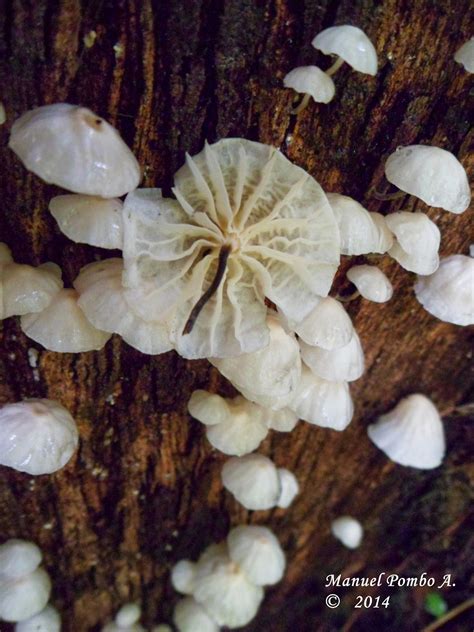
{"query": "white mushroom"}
(348, 530)
(289, 488)
(241, 425)
(465, 55)
(89, 220)
(361, 231)
(432, 174)
(323, 403)
(37, 436)
(72, 147)
(183, 576)
(126, 620)
(371, 282)
(253, 480)
(345, 364)
(312, 82)
(351, 45)
(448, 294)
(224, 590)
(271, 373)
(102, 300)
(23, 597)
(258, 553)
(283, 420)
(189, 616)
(18, 557)
(26, 290)
(411, 434)
(62, 326)
(48, 620)
(417, 243)
(328, 325)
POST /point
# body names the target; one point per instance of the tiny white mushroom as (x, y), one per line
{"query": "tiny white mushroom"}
(312, 82)
(270, 373)
(183, 575)
(258, 553)
(208, 408)
(432, 174)
(18, 557)
(48, 620)
(448, 294)
(283, 420)
(323, 403)
(102, 300)
(224, 590)
(361, 231)
(417, 243)
(72, 147)
(351, 45)
(253, 481)
(37, 436)
(465, 55)
(126, 620)
(89, 220)
(371, 282)
(63, 327)
(289, 488)
(348, 530)
(411, 434)
(345, 364)
(328, 325)
(23, 597)
(25, 289)
(189, 616)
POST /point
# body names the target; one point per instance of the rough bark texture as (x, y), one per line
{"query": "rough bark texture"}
(144, 489)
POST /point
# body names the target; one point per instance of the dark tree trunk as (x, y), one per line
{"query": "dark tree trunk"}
(144, 489)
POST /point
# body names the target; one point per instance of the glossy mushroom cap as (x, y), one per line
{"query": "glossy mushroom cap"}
(48, 620)
(465, 55)
(258, 553)
(371, 282)
(417, 241)
(253, 480)
(345, 364)
(432, 174)
(348, 530)
(72, 147)
(18, 557)
(351, 44)
(313, 81)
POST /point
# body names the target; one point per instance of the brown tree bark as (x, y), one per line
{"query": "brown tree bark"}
(144, 489)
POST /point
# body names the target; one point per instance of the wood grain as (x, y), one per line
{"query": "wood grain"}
(144, 489)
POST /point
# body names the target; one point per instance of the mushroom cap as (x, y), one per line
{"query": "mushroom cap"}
(465, 55)
(252, 480)
(62, 326)
(189, 616)
(242, 431)
(224, 590)
(283, 420)
(371, 282)
(350, 43)
(102, 300)
(348, 530)
(72, 147)
(48, 620)
(323, 403)
(5, 254)
(37, 436)
(18, 557)
(313, 81)
(345, 364)
(89, 220)
(258, 553)
(432, 174)
(23, 597)
(411, 434)
(183, 575)
(128, 615)
(361, 231)
(26, 289)
(208, 408)
(328, 326)
(272, 372)
(417, 243)
(448, 294)
(289, 488)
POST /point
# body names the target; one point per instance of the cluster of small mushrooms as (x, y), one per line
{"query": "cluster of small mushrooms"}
(245, 229)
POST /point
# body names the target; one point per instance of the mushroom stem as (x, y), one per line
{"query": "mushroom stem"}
(209, 293)
(302, 106)
(335, 67)
(383, 197)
